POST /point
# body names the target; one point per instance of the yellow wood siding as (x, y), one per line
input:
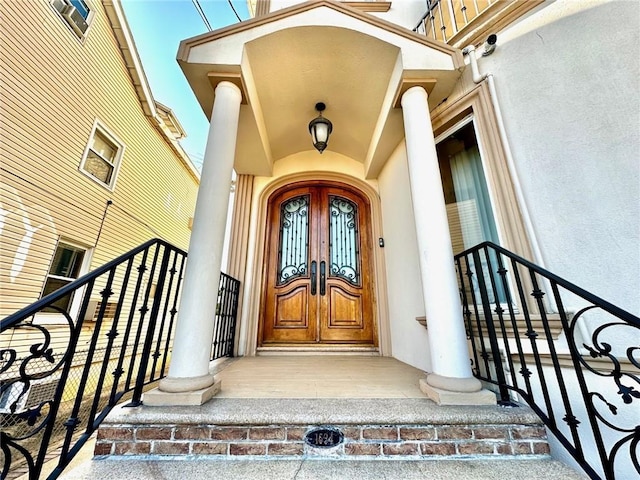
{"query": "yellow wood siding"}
(53, 88)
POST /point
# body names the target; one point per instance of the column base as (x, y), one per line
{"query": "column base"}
(448, 397)
(454, 384)
(160, 398)
(186, 384)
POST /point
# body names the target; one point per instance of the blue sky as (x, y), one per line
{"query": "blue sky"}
(158, 26)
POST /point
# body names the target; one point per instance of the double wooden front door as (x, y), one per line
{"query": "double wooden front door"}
(318, 267)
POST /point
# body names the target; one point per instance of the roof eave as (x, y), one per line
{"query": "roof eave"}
(124, 38)
(188, 44)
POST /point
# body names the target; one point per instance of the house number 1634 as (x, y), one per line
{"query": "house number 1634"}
(324, 437)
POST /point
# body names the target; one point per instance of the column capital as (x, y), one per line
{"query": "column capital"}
(227, 85)
(412, 92)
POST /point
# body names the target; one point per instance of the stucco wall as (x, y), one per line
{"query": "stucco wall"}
(405, 12)
(408, 337)
(567, 82)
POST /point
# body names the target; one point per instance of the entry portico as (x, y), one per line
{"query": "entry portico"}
(260, 80)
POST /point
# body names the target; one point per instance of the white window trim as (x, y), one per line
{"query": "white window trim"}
(89, 19)
(51, 318)
(100, 127)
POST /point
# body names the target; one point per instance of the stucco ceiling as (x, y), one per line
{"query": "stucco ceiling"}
(296, 68)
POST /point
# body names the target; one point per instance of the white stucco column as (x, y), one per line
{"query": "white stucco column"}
(447, 337)
(189, 369)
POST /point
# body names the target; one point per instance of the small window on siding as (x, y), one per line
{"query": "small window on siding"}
(102, 157)
(65, 267)
(75, 13)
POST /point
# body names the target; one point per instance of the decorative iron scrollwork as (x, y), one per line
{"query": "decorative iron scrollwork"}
(628, 384)
(587, 396)
(343, 240)
(17, 378)
(52, 392)
(294, 239)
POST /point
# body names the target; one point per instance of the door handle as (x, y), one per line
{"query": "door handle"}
(314, 267)
(323, 278)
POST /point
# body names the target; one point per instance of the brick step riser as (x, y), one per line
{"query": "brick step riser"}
(371, 441)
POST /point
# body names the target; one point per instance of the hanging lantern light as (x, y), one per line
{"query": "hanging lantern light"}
(320, 128)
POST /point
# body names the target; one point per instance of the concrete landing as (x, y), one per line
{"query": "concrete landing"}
(118, 469)
(318, 376)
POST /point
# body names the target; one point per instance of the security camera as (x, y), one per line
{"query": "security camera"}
(490, 45)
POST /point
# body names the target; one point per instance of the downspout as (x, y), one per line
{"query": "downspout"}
(470, 51)
(489, 47)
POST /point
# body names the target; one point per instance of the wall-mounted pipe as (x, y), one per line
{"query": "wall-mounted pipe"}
(490, 46)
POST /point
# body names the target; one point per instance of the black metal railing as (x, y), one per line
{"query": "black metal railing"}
(573, 357)
(61, 373)
(226, 314)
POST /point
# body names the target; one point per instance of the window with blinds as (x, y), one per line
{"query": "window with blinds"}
(467, 200)
(102, 157)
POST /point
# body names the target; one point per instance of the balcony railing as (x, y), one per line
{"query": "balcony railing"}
(446, 18)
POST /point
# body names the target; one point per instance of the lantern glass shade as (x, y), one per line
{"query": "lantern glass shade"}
(320, 128)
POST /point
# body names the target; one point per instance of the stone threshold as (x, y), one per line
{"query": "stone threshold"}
(305, 350)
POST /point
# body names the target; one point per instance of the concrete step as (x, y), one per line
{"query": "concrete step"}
(119, 468)
(398, 429)
(258, 438)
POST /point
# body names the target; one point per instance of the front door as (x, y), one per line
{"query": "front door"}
(318, 285)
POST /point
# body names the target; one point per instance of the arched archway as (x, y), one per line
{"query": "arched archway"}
(376, 278)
